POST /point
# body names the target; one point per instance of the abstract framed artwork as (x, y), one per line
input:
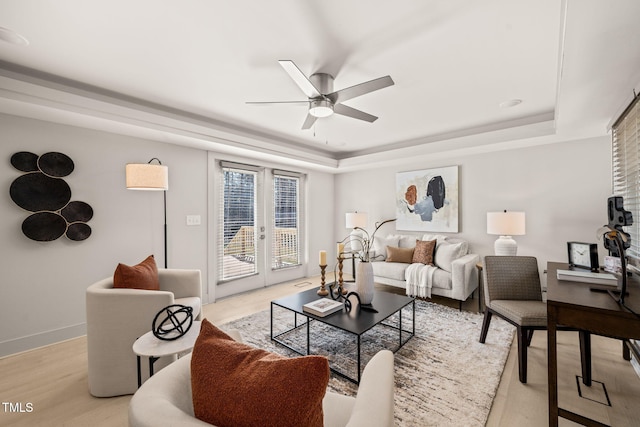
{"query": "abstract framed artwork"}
(427, 200)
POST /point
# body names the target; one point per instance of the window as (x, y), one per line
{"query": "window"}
(626, 171)
(237, 225)
(285, 247)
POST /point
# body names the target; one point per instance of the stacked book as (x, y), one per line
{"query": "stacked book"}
(323, 307)
(605, 279)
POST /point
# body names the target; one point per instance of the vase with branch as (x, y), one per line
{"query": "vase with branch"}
(361, 246)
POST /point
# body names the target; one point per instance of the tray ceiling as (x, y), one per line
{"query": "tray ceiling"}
(186, 70)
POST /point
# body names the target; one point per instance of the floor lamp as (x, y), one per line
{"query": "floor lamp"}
(150, 177)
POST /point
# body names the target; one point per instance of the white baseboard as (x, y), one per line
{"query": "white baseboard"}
(30, 342)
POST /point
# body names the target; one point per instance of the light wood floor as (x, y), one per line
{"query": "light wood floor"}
(54, 378)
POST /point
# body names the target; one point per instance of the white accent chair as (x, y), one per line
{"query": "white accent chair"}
(117, 317)
(166, 400)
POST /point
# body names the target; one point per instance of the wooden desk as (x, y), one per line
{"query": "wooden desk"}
(573, 304)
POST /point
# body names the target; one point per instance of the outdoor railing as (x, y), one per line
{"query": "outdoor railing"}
(285, 248)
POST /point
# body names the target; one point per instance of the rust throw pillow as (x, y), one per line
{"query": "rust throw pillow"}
(236, 385)
(399, 254)
(423, 253)
(141, 276)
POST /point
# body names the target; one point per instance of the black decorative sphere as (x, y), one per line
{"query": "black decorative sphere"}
(172, 322)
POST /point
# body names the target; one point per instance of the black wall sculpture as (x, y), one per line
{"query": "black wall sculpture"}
(43, 191)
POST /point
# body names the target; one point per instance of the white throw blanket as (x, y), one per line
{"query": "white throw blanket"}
(419, 278)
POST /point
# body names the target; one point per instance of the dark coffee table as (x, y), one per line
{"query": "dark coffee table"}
(387, 304)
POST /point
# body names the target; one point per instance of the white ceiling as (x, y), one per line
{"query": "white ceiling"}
(182, 72)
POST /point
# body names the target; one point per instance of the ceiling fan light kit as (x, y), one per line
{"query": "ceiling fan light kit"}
(320, 108)
(323, 100)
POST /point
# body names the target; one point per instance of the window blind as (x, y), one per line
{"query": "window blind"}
(626, 171)
(237, 254)
(285, 247)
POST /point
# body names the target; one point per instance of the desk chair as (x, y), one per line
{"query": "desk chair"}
(512, 291)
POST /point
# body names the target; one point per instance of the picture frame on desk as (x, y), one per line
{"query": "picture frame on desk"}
(612, 264)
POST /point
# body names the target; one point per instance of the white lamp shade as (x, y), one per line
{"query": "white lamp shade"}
(145, 176)
(506, 223)
(356, 219)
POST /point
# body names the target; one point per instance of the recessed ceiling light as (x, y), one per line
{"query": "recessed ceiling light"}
(510, 103)
(12, 37)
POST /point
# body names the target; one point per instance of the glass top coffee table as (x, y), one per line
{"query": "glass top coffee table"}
(356, 323)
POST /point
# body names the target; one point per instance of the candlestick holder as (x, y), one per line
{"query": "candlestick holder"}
(341, 289)
(323, 292)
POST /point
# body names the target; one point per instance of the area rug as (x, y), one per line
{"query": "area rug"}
(443, 375)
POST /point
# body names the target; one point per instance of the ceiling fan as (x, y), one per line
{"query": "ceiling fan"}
(323, 101)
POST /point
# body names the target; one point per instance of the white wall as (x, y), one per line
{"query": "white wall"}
(42, 290)
(562, 188)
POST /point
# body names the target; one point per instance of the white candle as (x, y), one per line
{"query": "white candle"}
(323, 257)
(340, 249)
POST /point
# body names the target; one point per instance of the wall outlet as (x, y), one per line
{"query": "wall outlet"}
(193, 220)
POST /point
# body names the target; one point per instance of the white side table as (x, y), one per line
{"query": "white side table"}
(153, 348)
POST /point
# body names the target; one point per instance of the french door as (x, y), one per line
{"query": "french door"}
(259, 239)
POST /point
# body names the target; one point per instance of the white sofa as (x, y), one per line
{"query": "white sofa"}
(117, 317)
(166, 400)
(456, 275)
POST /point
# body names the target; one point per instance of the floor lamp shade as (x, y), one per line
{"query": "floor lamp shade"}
(145, 176)
(356, 219)
(506, 224)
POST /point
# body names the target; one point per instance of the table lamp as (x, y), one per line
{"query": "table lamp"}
(506, 224)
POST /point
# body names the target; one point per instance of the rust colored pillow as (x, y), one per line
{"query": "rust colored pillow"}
(423, 252)
(141, 276)
(236, 385)
(399, 254)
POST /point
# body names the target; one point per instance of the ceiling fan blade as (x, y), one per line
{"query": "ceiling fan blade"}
(301, 80)
(276, 102)
(309, 121)
(360, 89)
(352, 112)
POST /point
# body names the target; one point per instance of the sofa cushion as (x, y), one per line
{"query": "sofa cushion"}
(446, 253)
(395, 254)
(423, 252)
(390, 270)
(442, 279)
(405, 241)
(380, 245)
(439, 237)
(234, 384)
(140, 276)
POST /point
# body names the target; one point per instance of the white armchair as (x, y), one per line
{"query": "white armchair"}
(166, 400)
(117, 317)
